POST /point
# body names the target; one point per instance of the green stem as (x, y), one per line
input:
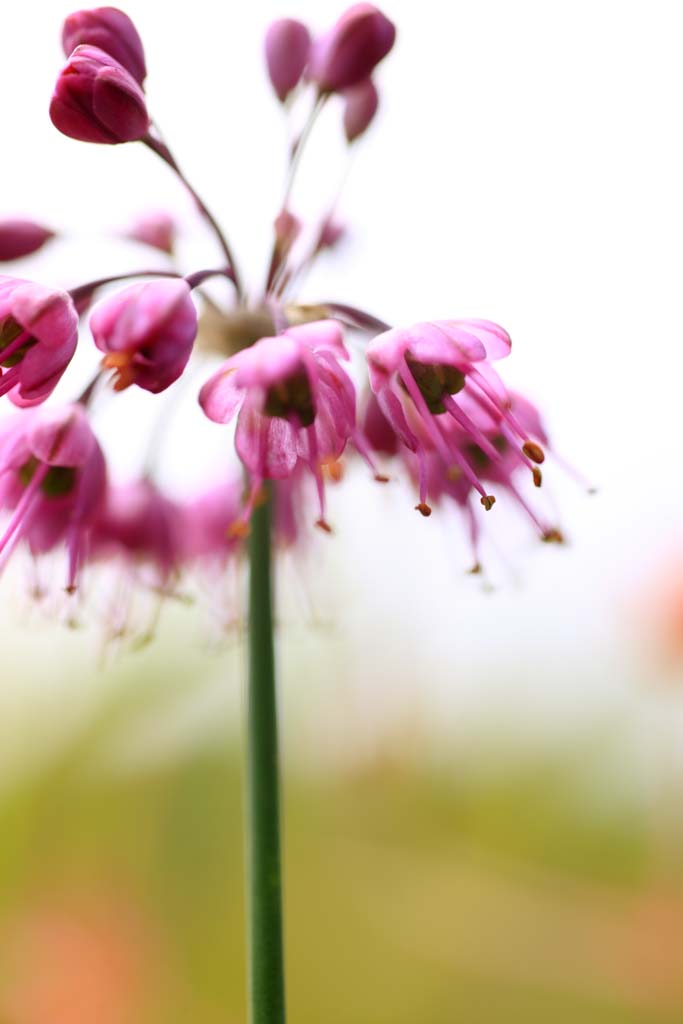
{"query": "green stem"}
(264, 885)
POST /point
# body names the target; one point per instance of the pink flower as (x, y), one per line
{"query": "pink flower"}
(352, 48)
(110, 30)
(209, 532)
(295, 401)
(155, 228)
(97, 100)
(38, 336)
(147, 332)
(53, 478)
(20, 237)
(287, 46)
(416, 374)
(361, 102)
(141, 526)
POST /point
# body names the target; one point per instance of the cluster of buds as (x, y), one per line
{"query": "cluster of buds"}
(430, 406)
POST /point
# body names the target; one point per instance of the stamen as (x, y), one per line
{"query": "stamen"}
(9, 379)
(364, 450)
(501, 410)
(463, 420)
(424, 509)
(314, 465)
(488, 501)
(553, 536)
(122, 365)
(533, 451)
(23, 508)
(537, 475)
(541, 527)
(14, 346)
(448, 453)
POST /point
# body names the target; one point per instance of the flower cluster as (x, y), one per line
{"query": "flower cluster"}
(429, 404)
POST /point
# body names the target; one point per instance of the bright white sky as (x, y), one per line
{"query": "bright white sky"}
(527, 167)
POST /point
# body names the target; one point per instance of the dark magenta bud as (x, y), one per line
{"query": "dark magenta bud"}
(287, 46)
(146, 332)
(97, 100)
(110, 30)
(352, 48)
(360, 106)
(20, 237)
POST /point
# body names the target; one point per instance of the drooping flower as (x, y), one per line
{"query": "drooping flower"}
(155, 228)
(141, 527)
(294, 401)
(53, 480)
(38, 337)
(352, 48)
(416, 374)
(20, 237)
(360, 106)
(110, 30)
(147, 332)
(287, 46)
(97, 100)
(208, 534)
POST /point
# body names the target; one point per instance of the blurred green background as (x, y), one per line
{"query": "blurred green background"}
(513, 883)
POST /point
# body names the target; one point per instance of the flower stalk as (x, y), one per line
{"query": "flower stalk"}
(266, 988)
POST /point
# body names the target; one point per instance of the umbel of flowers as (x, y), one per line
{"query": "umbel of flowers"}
(429, 404)
(431, 407)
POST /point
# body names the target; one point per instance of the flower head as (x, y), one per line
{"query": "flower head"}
(287, 46)
(20, 237)
(38, 336)
(147, 332)
(53, 479)
(97, 100)
(352, 48)
(296, 403)
(110, 30)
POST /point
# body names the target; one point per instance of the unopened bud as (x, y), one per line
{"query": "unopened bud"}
(287, 46)
(97, 100)
(361, 102)
(21, 238)
(352, 48)
(110, 30)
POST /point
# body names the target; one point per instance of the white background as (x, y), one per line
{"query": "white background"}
(526, 167)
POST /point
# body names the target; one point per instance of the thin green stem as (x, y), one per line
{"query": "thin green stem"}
(264, 883)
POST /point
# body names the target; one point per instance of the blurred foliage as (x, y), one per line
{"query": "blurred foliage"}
(412, 894)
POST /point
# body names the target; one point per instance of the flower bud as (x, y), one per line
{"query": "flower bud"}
(146, 332)
(287, 46)
(155, 228)
(361, 102)
(21, 238)
(97, 100)
(330, 233)
(110, 30)
(351, 50)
